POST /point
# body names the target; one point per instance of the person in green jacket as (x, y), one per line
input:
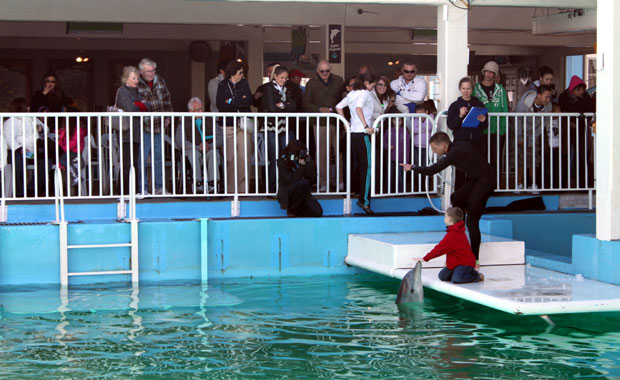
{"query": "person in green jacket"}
(493, 96)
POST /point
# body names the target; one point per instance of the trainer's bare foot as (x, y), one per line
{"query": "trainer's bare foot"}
(481, 276)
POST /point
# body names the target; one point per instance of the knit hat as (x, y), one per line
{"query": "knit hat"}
(491, 66)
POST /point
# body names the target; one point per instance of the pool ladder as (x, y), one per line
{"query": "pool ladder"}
(65, 247)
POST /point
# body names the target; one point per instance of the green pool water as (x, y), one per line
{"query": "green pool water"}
(327, 327)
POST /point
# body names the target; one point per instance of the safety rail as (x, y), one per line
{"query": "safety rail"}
(238, 160)
(554, 151)
(401, 139)
(540, 152)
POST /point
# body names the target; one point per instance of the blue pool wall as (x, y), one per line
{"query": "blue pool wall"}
(243, 247)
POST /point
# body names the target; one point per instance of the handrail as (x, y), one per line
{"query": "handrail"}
(59, 202)
(132, 194)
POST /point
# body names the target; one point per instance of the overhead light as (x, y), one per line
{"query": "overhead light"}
(393, 61)
(79, 60)
(239, 60)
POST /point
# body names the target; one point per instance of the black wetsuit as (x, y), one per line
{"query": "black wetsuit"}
(473, 195)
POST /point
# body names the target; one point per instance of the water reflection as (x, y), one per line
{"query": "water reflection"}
(320, 327)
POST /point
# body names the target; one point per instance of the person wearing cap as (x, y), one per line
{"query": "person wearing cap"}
(494, 97)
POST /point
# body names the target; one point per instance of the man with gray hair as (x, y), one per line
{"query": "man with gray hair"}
(153, 89)
(194, 137)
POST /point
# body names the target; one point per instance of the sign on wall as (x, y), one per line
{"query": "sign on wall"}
(335, 43)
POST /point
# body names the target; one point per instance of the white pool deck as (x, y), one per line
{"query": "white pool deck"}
(510, 285)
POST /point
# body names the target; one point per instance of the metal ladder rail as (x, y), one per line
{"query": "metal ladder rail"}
(64, 246)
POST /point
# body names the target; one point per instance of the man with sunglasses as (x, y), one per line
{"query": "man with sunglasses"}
(409, 88)
(322, 94)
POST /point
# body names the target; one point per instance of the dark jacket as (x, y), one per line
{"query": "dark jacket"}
(320, 94)
(126, 98)
(296, 96)
(465, 158)
(288, 175)
(258, 103)
(571, 103)
(472, 135)
(271, 96)
(233, 97)
(49, 102)
(455, 246)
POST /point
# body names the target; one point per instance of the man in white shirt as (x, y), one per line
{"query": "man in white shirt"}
(409, 88)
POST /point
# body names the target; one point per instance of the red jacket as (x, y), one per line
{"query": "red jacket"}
(456, 246)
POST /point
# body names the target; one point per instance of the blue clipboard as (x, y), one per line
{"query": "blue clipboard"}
(471, 120)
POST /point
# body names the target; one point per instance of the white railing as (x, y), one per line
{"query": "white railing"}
(553, 151)
(242, 162)
(240, 159)
(401, 139)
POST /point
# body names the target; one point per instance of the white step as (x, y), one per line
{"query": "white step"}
(384, 253)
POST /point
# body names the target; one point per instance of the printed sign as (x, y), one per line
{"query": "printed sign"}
(335, 43)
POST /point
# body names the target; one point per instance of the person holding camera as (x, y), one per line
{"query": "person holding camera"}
(297, 173)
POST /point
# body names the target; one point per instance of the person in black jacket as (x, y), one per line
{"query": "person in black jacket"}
(297, 173)
(457, 112)
(276, 98)
(234, 95)
(473, 195)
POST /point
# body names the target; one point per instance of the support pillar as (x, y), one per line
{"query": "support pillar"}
(255, 59)
(608, 121)
(198, 82)
(452, 61)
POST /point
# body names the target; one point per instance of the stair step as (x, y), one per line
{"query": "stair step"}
(99, 245)
(99, 273)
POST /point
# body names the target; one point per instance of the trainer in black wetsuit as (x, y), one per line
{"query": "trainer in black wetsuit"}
(473, 195)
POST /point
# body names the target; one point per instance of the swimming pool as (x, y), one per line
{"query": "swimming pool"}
(341, 327)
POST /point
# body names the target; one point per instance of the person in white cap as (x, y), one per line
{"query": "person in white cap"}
(493, 96)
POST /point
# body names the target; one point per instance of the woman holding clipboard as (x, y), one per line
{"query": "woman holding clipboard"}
(457, 114)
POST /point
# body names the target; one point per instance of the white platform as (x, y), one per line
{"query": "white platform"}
(509, 286)
(397, 250)
(528, 290)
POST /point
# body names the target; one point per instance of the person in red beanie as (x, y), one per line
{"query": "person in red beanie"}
(460, 260)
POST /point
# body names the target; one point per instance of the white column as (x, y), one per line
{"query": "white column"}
(608, 121)
(198, 82)
(452, 60)
(255, 59)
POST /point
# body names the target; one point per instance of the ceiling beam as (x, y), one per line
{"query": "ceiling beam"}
(565, 22)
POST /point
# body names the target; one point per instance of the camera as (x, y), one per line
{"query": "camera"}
(301, 155)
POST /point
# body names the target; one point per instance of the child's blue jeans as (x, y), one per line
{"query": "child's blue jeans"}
(460, 275)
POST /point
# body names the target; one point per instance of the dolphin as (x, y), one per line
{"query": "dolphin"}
(411, 289)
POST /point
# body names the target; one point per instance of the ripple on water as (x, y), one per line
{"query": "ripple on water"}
(344, 327)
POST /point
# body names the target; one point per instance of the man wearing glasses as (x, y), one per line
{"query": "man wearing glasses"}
(322, 94)
(409, 88)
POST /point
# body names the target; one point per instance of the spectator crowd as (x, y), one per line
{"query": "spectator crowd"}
(215, 151)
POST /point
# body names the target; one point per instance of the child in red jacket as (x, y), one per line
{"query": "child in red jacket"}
(460, 260)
